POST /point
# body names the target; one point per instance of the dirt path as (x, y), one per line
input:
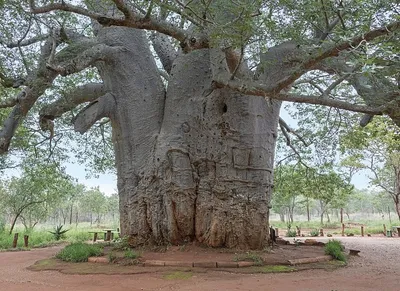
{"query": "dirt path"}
(378, 268)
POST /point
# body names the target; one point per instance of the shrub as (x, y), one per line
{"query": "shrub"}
(2, 225)
(291, 233)
(112, 258)
(335, 249)
(59, 232)
(130, 254)
(79, 252)
(314, 232)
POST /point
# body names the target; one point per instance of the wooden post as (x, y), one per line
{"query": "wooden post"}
(321, 232)
(108, 235)
(26, 240)
(276, 232)
(384, 230)
(362, 230)
(95, 237)
(342, 229)
(15, 241)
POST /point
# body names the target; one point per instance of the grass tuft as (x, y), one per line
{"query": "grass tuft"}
(335, 249)
(249, 257)
(178, 275)
(79, 252)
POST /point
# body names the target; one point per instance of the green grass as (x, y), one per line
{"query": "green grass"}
(178, 275)
(79, 252)
(249, 257)
(370, 226)
(275, 269)
(41, 237)
(291, 233)
(130, 254)
(335, 249)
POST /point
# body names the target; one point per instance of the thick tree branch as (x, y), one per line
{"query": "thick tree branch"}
(37, 82)
(135, 20)
(333, 51)
(99, 52)
(164, 49)
(11, 123)
(81, 94)
(102, 107)
(123, 8)
(251, 88)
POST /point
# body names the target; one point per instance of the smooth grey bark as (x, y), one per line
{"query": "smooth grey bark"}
(194, 164)
(210, 179)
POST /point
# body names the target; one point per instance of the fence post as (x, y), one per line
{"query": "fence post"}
(362, 230)
(15, 241)
(342, 229)
(384, 230)
(26, 240)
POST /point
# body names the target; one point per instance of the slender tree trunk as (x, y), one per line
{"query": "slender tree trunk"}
(70, 214)
(308, 210)
(14, 221)
(282, 216)
(341, 215)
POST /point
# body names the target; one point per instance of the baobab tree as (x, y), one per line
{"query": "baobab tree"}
(194, 134)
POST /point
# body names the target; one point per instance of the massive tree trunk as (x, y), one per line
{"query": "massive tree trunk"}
(193, 163)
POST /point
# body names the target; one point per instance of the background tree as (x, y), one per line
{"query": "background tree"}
(377, 150)
(30, 196)
(194, 152)
(291, 184)
(94, 202)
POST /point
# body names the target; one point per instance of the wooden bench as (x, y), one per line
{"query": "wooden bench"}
(108, 234)
(95, 234)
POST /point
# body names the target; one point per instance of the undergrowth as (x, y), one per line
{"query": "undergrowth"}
(335, 249)
(79, 252)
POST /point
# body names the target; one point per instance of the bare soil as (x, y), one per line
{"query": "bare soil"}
(377, 268)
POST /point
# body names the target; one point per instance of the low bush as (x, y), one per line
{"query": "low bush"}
(314, 232)
(79, 252)
(112, 258)
(130, 254)
(291, 233)
(335, 249)
(59, 232)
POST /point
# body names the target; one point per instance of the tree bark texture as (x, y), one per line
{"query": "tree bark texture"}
(194, 162)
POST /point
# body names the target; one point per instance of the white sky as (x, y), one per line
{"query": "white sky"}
(108, 182)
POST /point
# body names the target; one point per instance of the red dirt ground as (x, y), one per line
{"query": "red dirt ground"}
(377, 268)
